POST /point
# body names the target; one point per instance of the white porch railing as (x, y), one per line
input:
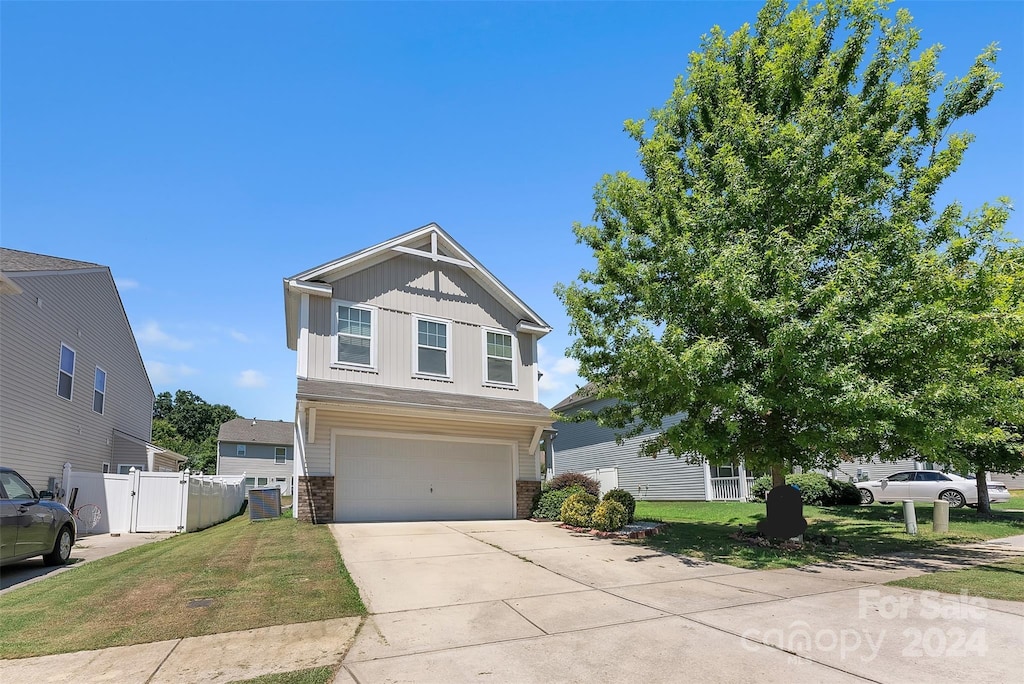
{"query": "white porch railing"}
(726, 488)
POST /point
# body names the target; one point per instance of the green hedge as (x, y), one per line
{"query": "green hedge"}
(578, 509)
(624, 498)
(608, 516)
(815, 489)
(549, 505)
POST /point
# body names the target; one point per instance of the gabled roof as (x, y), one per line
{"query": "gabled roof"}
(252, 431)
(429, 241)
(15, 261)
(580, 396)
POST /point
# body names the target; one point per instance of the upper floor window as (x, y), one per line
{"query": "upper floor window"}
(353, 329)
(240, 450)
(499, 367)
(432, 347)
(99, 393)
(66, 374)
(279, 454)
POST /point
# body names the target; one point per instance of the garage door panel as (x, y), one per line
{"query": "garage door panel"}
(387, 478)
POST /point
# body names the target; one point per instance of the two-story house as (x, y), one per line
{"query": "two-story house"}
(73, 388)
(261, 450)
(417, 386)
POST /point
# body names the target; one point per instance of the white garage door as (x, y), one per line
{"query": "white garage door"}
(385, 478)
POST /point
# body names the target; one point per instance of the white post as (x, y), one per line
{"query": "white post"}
(940, 516)
(709, 489)
(65, 484)
(744, 489)
(133, 515)
(910, 516)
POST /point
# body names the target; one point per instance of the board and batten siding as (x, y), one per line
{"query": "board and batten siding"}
(401, 288)
(318, 453)
(586, 446)
(39, 430)
(258, 460)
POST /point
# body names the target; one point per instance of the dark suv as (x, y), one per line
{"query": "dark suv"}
(31, 523)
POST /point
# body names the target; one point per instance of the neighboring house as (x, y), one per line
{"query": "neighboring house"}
(417, 386)
(586, 447)
(262, 450)
(72, 385)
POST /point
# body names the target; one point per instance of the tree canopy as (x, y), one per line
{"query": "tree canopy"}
(780, 273)
(189, 425)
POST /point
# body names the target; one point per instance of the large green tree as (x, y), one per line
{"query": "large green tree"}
(780, 273)
(187, 424)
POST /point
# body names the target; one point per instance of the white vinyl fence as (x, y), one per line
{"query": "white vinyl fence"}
(142, 501)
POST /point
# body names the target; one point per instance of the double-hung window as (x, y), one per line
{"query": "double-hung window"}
(279, 454)
(240, 450)
(99, 392)
(353, 331)
(499, 367)
(66, 374)
(433, 347)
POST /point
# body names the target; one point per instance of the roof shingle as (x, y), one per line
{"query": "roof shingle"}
(252, 431)
(15, 260)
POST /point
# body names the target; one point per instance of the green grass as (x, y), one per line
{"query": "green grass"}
(257, 573)
(1016, 502)
(703, 529)
(318, 675)
(1003, 580)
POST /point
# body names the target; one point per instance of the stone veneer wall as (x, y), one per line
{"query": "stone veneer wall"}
(526, 490)
(315, 499)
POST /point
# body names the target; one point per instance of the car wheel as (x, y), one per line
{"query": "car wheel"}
(955, 498)
(866, 497)
(61, 548)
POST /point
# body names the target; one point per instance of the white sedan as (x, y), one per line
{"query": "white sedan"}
(928, 485)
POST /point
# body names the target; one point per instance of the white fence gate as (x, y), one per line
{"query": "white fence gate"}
(608, 478)
(142, 501)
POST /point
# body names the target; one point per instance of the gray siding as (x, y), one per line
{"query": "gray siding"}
(407, 285)
(318, 454)
(258, 460)
(127, 452)
(585, 446)
(40, 431)
(874, 468)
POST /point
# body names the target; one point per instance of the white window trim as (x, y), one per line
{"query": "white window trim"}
(74, 363)
(95, 390)
(283, 455)
(239, 450)
(335, 303)
(416, 373)
(123, 468)
(515, 349)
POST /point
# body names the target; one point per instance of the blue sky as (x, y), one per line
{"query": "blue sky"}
(204, 151)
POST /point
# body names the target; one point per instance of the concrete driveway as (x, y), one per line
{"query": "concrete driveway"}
(517, 601)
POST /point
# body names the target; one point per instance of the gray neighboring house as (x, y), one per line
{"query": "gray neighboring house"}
(417, 386)
(73, 388)
(262, 450)
(588, 448)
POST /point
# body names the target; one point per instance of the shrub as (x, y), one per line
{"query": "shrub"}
(569, 479)
(844, 493)
(578, 508)
(624, 498)
(815, 489)
(549, 505)
(609, 515)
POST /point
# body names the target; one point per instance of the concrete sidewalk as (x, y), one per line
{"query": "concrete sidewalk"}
(214, 659)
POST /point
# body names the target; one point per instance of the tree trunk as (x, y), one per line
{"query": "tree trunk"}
(778, 477)
(984, 505)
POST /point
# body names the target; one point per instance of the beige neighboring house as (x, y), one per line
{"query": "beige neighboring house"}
(73, 388)
(417, 386)
(261, 450)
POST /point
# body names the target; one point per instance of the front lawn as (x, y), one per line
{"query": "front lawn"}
(254, 574)
(703, 530)
(1003, 580)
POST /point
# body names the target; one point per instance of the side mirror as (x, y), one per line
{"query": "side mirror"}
(46, 494)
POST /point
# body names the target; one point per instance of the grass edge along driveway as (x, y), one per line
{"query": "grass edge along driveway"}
(256, 574)
(704, 530)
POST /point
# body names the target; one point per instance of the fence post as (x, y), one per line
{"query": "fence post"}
(133, 516)
(65, 483)
(910, 516)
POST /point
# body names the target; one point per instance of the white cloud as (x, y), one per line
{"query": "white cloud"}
(251, 378)
(559, 374)
(153, 334)
(126, 283)
(167, 374)
(239, 336)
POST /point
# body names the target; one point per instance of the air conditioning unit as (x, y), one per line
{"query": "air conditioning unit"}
(265, 503)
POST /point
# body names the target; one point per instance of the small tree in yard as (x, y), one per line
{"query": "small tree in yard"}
(780, 274)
